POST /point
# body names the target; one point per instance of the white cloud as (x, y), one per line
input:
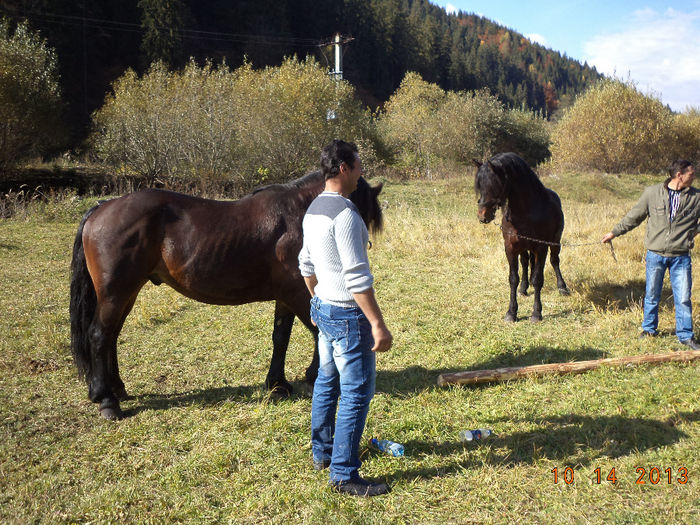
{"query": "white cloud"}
(538, 39)
(451, 9)
(660, 52)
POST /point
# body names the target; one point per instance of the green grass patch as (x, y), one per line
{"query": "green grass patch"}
(204, 442)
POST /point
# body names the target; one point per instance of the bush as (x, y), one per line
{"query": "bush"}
(527, 133)
(288, 113)
(409, 122)
(686, 128)
(424, 124)
(30, 98)
(254, 126)
(614, 128)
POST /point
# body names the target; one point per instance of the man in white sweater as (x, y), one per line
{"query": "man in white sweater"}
(333, 261)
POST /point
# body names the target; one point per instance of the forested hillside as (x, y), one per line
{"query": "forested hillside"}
(97, 41)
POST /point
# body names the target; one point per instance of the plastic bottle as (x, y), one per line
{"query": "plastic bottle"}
(474, 435)
(395, 449)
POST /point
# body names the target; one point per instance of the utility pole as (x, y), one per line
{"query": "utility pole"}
(337, 42)
(337, 73)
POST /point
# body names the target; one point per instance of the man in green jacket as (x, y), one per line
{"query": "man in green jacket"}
(673, 210)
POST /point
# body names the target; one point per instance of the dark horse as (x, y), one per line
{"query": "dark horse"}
(532, 222)
(217, 252)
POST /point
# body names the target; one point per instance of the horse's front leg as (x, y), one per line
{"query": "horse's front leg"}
(282, 331)
(537, 282)
(514, 280)
(525, 265)
(301, 308)
(312, 369)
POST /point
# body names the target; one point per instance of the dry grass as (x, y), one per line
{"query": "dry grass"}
(204, 442)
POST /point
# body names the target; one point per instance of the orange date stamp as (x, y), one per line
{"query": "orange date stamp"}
(644, 476)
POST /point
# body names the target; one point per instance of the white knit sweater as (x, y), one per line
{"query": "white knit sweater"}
(335, 249)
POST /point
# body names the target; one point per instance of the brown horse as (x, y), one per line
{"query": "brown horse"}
(532, 222)
(217, 252)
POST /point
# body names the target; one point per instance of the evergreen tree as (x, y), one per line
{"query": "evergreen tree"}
(162, 22)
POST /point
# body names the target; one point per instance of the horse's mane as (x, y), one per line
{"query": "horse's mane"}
(306, 180)
(517, 170)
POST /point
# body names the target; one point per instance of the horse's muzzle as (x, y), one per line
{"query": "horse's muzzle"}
(486, 215)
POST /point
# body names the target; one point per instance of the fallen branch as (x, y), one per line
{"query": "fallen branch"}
(473, 377)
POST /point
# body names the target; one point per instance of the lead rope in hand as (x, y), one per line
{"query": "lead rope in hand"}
(570, 245)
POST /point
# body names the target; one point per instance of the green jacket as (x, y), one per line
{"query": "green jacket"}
(664, 237)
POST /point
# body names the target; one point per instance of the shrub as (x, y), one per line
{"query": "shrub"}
(30, 99)
(424, 124)
(469, 123)
(251, 125)
(527, 133)
(409, 124)
(613, 127)
(686, 128)
(288, 113)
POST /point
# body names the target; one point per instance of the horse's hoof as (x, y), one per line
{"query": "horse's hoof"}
(282, 389)
(564, 291)
(111, 413)
(510, 318)
(523, 292)
(535, 318)
(310, 378)
(110, 410)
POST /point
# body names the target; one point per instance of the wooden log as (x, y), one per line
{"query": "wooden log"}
(473, 377)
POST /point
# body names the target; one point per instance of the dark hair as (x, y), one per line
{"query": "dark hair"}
(679, 165)
(334, 155)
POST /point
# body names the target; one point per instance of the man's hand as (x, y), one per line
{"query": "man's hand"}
(607, 237)
(382, 338)
(381, 334)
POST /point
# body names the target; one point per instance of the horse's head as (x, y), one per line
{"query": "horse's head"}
(491, 185)
(365, 198)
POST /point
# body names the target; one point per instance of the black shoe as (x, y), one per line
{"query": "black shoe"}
(646, 334)
(323, 464)
(690, 343)
(361, 487)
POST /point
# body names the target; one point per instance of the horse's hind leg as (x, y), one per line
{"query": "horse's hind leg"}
(554, 259)
(118, 387)
(106, 387)
(524, 264)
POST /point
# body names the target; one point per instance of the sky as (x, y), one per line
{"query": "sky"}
(655, 44)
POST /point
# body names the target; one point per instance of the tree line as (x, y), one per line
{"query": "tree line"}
(97, 41)
(255, 125)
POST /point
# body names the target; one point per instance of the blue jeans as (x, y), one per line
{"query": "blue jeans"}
(347, 369)
(679, 269)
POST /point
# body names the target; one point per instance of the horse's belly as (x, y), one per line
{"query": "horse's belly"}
(222, 292)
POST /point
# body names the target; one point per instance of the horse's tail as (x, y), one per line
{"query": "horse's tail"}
(83, 303)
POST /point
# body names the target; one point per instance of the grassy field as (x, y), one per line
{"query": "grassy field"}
(203, 442)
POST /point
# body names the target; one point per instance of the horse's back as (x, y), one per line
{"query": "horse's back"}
(222, 252)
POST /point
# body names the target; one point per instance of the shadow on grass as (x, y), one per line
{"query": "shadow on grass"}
(610, 296)
(209, 397)
(571, 441)
(416, 378)
(400, 382)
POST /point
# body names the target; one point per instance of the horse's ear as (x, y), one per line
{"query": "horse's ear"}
(376, 190)
(476, 163)
(493, 168)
